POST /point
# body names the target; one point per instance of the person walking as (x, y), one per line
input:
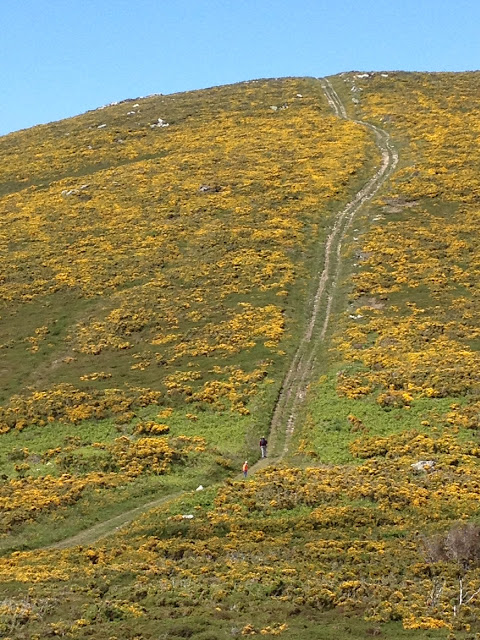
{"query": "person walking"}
(245, 468)
(263, 446)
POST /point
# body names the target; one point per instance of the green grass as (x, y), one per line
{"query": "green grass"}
(329, 432)
(182, 605)
(99, 506)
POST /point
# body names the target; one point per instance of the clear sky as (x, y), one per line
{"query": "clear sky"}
(59, 58)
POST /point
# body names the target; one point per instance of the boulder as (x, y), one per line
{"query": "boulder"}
(423, 465)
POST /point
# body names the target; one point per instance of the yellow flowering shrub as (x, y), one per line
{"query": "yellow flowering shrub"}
(412, 332)
(155, 255)
(328, 537)
(184, 255)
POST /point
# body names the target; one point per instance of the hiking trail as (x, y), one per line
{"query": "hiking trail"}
(295, 384)
(294, 387)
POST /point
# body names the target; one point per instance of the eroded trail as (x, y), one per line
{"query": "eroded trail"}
(296, 381)
(107, 527)
(295, 384)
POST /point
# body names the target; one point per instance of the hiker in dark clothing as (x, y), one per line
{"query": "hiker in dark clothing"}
(263, 446)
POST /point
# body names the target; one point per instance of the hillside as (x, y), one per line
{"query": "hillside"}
(182, 274)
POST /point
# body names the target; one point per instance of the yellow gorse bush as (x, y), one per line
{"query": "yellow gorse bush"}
(182, 247)
(24, 499)
(326, 537)
(173, 245)
(414, 330)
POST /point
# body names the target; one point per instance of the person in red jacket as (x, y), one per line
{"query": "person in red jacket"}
(245, 469)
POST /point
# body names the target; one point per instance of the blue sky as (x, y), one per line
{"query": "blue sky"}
(59, 58)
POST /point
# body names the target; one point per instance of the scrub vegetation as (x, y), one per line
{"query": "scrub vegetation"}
(157, 267)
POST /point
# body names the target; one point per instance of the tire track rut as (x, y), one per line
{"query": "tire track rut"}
(294, 387)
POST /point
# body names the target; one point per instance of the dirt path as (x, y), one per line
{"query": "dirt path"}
(294, 387)
(107, 527)
(295, 384)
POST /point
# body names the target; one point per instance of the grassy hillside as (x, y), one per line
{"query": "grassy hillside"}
(151, 305)
(155, 283)
(407, 349)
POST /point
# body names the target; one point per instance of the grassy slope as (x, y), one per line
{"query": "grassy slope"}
(344, 535)
(414, 286)
(130, 295)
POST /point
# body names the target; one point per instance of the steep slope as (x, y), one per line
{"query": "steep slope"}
(345, 537)
(152, 305)
(299, 375)
(410, 336)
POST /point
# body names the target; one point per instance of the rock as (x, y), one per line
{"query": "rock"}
(159, 123)
(206, 188)
(110, 104)
(364, 255)
(273, 107)
(423, 465)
